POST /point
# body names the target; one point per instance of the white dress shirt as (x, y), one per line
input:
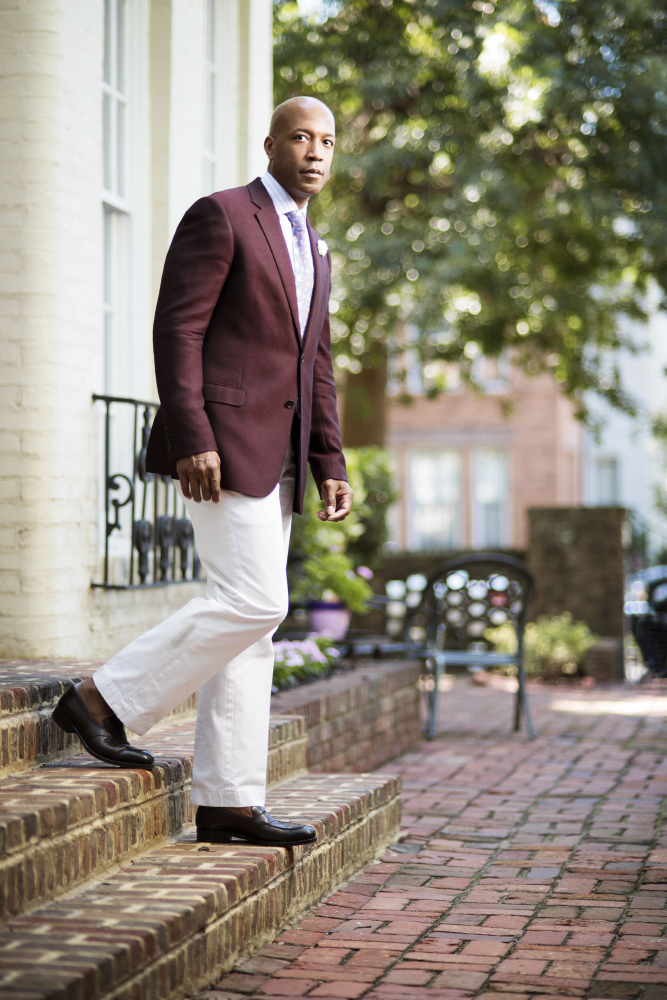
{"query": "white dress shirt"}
(283, 203)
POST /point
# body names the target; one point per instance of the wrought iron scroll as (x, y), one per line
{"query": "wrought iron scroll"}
(157, 538)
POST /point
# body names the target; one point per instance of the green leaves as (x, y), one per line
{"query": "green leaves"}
(498, 178)
(553, 647)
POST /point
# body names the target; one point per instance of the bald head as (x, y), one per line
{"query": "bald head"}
(300, 146)
(289, 111)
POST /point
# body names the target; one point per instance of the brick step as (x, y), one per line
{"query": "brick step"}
(73, 819)
(356, 720)
(29, 690)
(181, 915)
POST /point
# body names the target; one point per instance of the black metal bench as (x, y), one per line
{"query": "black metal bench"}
(463, 598)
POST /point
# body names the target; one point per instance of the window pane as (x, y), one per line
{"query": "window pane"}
(120, 46)
(108, 41)
(210, 31)
(489, 476)
(108, 257)
(106, 142)
(606, 481)
(108, 353)
(490, 498)
(120, 148)
(210, 113)
(491, 525)
(434, 499)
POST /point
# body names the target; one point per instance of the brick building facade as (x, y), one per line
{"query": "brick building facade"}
(471, 464)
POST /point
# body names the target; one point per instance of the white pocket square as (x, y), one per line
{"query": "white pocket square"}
(322, 248)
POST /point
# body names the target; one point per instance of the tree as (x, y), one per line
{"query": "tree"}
(499, 181)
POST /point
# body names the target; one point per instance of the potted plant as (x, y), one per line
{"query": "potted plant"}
(334, 591)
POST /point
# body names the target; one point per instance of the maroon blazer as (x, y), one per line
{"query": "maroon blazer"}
(232, 373)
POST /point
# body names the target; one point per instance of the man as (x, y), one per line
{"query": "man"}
(245, 379)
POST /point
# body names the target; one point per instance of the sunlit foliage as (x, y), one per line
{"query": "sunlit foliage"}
(500, 177)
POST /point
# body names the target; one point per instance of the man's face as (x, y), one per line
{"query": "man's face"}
(301, 149)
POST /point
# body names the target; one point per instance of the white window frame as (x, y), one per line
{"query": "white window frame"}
(115, 201)
(126, 362)
(611, 461)
(480, 538)
(415, 536)
(126, 356)
(212, 94)
(115, 104)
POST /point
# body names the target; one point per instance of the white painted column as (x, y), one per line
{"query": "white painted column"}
(255, 86)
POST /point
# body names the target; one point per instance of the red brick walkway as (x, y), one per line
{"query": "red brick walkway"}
(529, 870)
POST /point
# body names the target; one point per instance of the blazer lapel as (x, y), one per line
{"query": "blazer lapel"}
(318, 281)
(270, 223)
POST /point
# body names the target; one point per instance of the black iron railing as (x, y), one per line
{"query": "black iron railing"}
(153, 541)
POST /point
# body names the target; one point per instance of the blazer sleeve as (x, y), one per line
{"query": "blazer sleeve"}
(325, 451)
(195, 270)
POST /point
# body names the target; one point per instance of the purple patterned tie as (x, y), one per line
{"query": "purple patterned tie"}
(303, 266)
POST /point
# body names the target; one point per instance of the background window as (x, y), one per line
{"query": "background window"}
(114, 98)
(435, 496)
(492, 374)
(212, 74)
(606, 482)
(489, 498)
(114, 195)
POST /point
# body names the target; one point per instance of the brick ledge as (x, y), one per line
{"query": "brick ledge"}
(179, 918)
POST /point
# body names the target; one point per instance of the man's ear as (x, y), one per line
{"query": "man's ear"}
(269, 143)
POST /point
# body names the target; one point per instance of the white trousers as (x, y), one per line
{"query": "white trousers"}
(220, 644)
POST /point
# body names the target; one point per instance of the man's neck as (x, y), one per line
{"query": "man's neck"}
(297, 198)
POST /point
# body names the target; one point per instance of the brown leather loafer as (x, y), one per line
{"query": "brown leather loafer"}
(216, 825)
(108, 741)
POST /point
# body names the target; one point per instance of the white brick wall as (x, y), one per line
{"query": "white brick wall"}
(51, 291)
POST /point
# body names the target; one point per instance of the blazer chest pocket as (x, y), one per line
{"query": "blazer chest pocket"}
(216, 393)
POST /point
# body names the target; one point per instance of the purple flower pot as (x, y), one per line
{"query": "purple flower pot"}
(332, 619)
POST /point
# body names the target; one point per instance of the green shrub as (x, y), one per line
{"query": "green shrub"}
(552, 647)
(375, 468)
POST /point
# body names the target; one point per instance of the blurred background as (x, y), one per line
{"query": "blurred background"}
(496, 219)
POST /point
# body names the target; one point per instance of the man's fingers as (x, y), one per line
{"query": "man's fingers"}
(199, 476)
(185, 486)
(337, 498)
(215, 485)
(329, 497)
(195, 488)
(344, 507)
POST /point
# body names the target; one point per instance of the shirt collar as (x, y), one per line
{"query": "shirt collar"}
(282, 201)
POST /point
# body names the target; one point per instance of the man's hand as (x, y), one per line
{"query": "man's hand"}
(337, 496)
(199, 476)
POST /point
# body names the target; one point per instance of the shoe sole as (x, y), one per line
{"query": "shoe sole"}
(64, 723)
(220, 837)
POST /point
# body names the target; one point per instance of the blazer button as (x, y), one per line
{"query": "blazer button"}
(289, 404)
(303, 358)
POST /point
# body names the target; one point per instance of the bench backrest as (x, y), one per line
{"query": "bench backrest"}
(469, 594)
